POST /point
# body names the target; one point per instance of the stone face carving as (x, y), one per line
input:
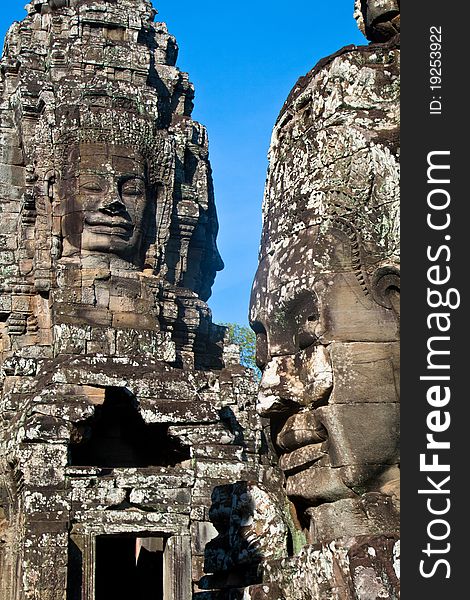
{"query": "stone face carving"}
(115, 182)
(325, 301)
(106, 205)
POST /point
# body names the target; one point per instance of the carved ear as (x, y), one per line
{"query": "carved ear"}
(386, 287)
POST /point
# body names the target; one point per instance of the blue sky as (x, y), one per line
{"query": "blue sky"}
(243, 58)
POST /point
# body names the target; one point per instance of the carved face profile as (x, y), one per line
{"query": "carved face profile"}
(329, 352)
(324, 303)
(105, 200)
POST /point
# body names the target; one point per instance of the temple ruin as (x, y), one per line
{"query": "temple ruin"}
(138, 458)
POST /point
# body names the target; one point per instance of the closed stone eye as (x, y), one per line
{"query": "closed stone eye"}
(306, 317)
(93, 187)
(307, 335)
(133, 189)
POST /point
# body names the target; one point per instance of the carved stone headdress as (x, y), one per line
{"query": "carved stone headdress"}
(334, 163)
(117, 120)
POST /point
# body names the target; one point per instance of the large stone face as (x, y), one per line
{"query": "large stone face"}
(324, 301)
(325, 307)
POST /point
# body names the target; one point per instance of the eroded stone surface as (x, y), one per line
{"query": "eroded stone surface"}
(121, 409)
(107, 198)
(379, 20)
(355, 568)
(325, 307)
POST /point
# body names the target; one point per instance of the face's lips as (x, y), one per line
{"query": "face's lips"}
(302, 442)
(108, 226)
(302, 458)
(301, 429)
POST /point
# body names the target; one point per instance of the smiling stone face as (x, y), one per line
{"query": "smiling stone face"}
(105, 202)
(331, 357)
(325, 300)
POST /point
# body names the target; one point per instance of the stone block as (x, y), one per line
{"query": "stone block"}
(365, 372)
(130, 320)
(372, 514)
(361, 434)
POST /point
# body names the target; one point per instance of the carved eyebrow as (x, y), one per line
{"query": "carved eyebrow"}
(306, 301)
(92, 173)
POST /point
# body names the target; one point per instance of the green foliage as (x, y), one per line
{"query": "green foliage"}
(245, 339)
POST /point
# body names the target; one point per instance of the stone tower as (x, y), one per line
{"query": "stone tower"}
(131, 456)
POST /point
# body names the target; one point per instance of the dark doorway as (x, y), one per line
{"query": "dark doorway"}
(74, 572)
(117, 436)
(128, 568)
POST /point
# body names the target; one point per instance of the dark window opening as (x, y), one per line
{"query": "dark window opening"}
(129, 567)
(117, 436)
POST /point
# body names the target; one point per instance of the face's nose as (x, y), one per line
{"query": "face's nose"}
(280, 389)
(218, 262)
(212, 230)
(113, 207)
(295, 381)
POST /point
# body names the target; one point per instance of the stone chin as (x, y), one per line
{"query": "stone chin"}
(104, 239)
(315, 485)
